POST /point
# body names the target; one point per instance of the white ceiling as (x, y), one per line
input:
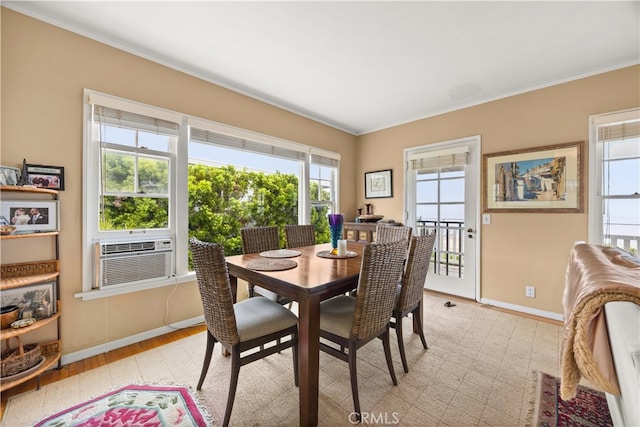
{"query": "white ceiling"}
(364, 66)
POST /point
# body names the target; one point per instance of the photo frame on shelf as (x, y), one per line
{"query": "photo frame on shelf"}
(9, 175)
(378, 184)
(31, 216)
(38, 301)
(540, 179)
(45, 176)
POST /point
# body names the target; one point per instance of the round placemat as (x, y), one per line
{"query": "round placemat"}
(281, 253)
(271, 264)
(327, 254)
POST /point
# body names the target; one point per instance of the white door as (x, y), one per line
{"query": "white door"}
(443, 196)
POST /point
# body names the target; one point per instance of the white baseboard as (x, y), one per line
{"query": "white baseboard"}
(132, 339)
(523, 309)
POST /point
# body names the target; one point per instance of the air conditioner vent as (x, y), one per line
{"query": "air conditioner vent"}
(127, 263)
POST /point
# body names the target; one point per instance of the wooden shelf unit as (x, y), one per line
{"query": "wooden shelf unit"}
(16, 275)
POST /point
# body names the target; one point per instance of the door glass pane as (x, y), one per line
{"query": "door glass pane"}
(427, 212)
(452, 190)
(427, 191)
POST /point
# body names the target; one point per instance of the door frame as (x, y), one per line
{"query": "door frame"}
(475, 144)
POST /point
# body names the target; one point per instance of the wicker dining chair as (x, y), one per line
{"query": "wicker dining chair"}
(411, 290)
(351, 322)
(260, 239)
(391, 233)
(299, 235)
(246, 325)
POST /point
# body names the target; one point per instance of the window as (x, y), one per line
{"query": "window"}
(323, 178)
(135, 161)
(153, 178)
(614, 214)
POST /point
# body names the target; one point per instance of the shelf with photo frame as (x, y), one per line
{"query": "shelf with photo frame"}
(32, 286)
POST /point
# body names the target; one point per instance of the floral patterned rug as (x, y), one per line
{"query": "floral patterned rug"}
(588, 408)
(135, 405)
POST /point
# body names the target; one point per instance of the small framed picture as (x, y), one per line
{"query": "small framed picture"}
(378, 184)
(37, 301)
(44, 176)
(9, 175)
(31, 216)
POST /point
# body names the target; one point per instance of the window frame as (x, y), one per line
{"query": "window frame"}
(596, 232)
(178, 187)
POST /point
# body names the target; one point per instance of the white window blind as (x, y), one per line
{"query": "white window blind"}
(317, 159)
(129, 120)
(618, 131)
(441, 159)
(201, 135)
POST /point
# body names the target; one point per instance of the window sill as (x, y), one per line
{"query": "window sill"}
(105, 293)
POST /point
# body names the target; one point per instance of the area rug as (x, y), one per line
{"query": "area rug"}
(134, 405)
(588, 408)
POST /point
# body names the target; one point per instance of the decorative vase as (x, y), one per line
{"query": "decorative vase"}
(335, 226)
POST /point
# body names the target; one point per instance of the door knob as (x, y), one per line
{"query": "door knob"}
(470, 232)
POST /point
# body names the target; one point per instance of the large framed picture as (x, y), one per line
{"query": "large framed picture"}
(44, 176)
(378, 184)
(541, 179)
(38, 301)
(31, 216)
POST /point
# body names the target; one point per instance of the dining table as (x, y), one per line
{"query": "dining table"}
(316, 276)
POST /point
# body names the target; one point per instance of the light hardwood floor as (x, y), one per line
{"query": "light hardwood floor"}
(80, 366)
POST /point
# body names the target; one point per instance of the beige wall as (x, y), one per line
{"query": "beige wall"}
(44, 72)
(45, 69)
(522, 248)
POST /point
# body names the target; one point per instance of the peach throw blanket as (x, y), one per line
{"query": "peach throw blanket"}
(595, 275)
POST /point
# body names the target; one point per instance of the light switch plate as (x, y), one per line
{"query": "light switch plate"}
(486, 218)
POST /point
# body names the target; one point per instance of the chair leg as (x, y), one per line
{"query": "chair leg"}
(294, 349)
(354, 379)
(403, 355)
(211, 341)
(233, 384)
(387, 355)
(417, 324)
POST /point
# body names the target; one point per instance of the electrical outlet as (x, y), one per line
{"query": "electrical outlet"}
(530, 291)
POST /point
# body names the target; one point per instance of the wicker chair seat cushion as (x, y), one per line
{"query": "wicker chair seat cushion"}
(336, 315)
(257, 317)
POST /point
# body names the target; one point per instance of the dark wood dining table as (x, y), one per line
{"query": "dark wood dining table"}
(313, 280)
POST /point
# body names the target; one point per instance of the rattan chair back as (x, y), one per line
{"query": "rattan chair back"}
(259, 239)
(215, 290)
(415, 274)
(380, 273)
(300, 235)
(391, 233)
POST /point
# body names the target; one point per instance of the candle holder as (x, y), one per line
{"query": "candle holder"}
(335, 226)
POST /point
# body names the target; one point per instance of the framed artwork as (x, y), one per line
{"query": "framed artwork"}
(38, 301)
(9, 175)
(378, 184)
(541, 179)
(31, 216)
(44, 176)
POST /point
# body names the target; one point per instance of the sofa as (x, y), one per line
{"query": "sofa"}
(623, 327)
(601, 342)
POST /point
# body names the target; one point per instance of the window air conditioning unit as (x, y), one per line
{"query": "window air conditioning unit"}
(134, 262)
